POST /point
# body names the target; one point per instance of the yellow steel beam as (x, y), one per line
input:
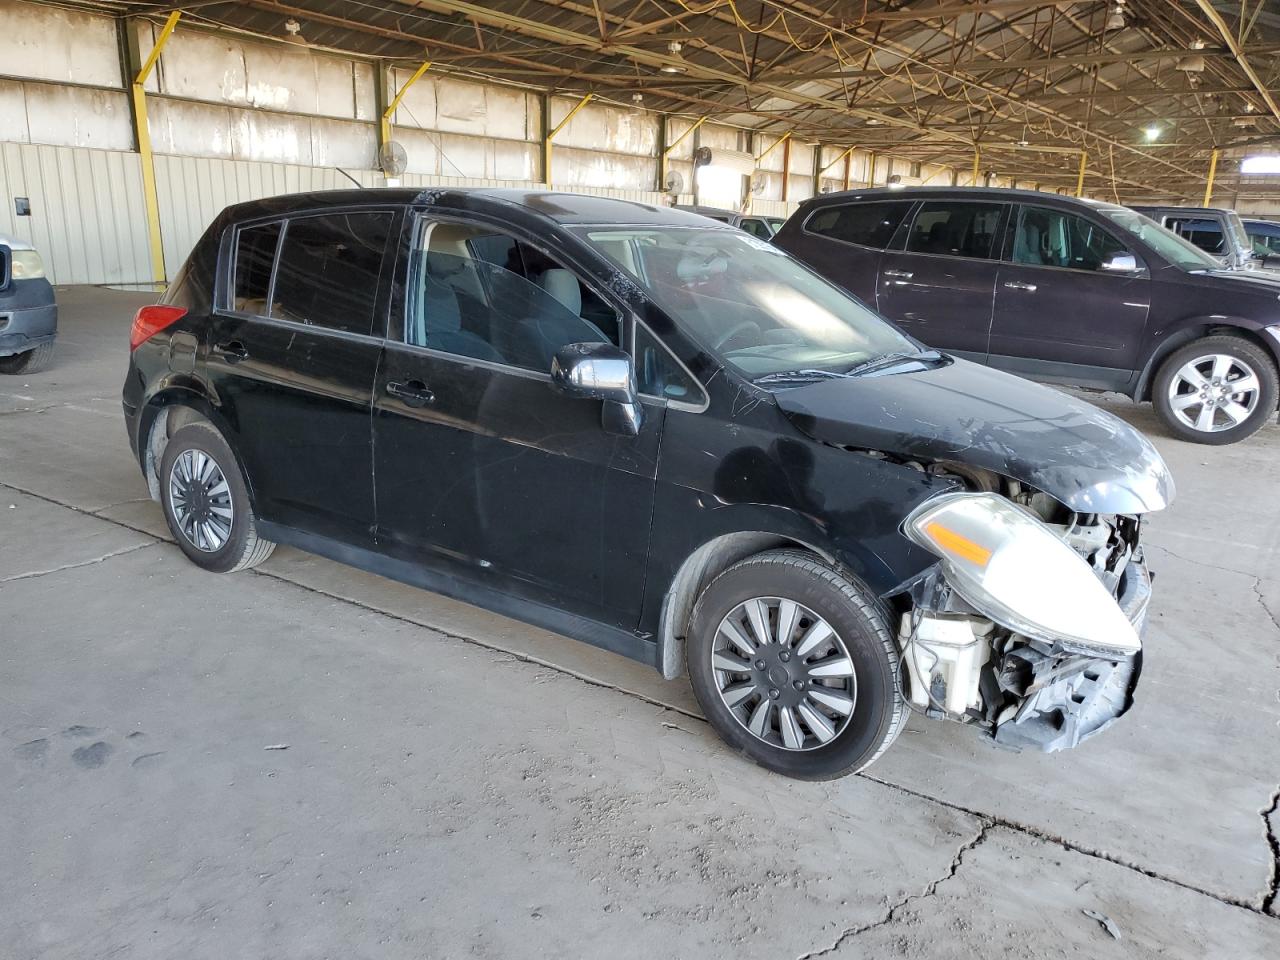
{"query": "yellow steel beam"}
(384, 122)
(977, 160)
(551, 134)
(142, 131)
(773, 146)
(1084, 157)
(842, 155)
(1213, 170)
(666, 153)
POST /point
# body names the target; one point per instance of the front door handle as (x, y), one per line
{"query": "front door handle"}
(904, 274)
(1020, 285)
(413, 392)
(233, 351)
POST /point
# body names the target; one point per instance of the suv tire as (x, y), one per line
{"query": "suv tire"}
(206, 502)
(1193, 394)
(29, 361)
(807, 708)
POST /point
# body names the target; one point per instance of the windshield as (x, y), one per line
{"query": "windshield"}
(1181, 253)
(748, 302)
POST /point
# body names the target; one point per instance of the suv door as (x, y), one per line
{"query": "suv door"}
(1060, 312)
(291, 356)
(481, 468)
(844, 241)
(941, 287)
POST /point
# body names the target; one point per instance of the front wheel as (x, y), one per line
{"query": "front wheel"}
(795, 666)
(29, 361)
(206, 503)
(1216, 390)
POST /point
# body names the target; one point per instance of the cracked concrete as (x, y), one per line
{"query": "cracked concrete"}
(457, 783)
(1267, 902)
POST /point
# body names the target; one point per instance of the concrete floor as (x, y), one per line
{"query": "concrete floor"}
(460, 784)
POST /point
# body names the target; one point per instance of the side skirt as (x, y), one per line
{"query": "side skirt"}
(527, 611)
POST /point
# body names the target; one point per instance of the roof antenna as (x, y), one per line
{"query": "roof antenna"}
(350, 177)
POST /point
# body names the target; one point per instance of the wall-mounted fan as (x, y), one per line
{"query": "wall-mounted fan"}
(674, 183)
(392, 158)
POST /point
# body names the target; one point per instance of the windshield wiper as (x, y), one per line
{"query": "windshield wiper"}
(797, 376)
(891, 360)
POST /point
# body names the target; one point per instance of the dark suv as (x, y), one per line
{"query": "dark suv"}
(1059, 289)
(659, 435)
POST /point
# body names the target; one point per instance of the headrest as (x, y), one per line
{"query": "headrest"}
(563, 285)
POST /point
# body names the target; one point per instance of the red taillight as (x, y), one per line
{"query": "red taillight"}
(150, 320)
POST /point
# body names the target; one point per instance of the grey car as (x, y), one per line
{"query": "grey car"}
(755, 224)
(28, 311)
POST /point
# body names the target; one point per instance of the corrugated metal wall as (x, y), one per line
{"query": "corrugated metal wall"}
(87, 216)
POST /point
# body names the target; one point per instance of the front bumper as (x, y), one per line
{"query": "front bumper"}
(28, 316)
(1025, 693)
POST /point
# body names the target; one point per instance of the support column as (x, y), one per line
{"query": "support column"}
(1084, 157)
(977, 162)
(142, 133)
(665, 155)
(551, 134)
(1213, 170)
(786, 165)
(384, 116)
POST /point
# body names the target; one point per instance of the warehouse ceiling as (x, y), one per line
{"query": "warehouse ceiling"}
(1147, 88)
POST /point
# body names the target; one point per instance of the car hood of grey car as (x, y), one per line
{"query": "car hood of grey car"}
(959, 411)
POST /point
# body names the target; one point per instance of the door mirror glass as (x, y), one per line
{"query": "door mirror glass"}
(599, 371)
(1120, 262)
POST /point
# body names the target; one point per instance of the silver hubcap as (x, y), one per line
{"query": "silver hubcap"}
(200, 500)
(1214, 392)
(783, 673)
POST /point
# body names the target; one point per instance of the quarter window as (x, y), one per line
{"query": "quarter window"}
(1054, 238)
(328, 271)
(867, 224)
(475, 292)
(255, 256)
(658, 374)
(955, 229)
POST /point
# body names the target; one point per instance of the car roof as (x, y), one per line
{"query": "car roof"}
(954, 193)
(556, 206)
(1269, 226)
(1194, 211)
(13, 243)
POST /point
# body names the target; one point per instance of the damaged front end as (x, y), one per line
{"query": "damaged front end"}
(1029, 624)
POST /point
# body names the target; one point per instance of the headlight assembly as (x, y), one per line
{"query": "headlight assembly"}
(26, 265)
(1012, 568)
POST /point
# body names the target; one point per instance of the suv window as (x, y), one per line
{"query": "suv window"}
(755, 227)
(479, 293)
(255, 256)
(1205, 234)
(867, 224)
(1055, 238)
(328, 270)
(955, 229)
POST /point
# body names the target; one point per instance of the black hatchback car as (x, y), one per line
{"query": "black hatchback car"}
(1059, 289)
(661, 436)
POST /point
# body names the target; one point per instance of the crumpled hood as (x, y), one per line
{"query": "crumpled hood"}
(1090, 460)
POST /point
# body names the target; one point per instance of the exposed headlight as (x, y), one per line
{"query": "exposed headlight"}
(1015, 570)
(25, 265)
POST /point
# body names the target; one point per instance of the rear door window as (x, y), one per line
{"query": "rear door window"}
(955, 229)
(328, 271)
(866, 224)
(255, 257)
(757, 228)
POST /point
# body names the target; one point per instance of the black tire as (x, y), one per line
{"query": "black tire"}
(243, 547)
(32, 361)
(1242, 350)
(861, 623)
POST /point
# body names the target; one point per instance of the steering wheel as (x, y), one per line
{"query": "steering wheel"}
(737, 328)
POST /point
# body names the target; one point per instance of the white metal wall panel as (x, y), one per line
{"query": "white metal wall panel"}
(51, 43)
(87, 211)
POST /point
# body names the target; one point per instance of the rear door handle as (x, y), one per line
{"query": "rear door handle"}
(1020, 285)
(233, 351)
(904, 274)
(413, 392)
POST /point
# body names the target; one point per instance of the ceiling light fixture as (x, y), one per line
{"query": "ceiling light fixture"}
(1152, 133)
(673, 48)
(1116, 20)
(637, 103)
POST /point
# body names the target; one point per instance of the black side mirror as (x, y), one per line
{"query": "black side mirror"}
(6, 261)
(600, 371)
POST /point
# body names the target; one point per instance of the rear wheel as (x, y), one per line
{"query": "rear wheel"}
(795, 666)
(206, 503)
(1216, 390)
(31, 361)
